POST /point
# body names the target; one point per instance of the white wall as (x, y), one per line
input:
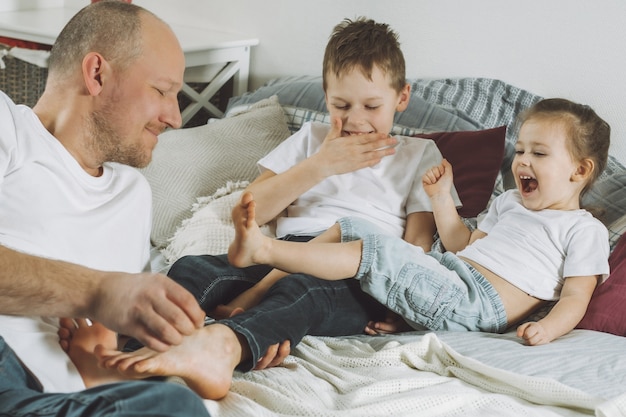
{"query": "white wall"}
(569, 48)
(7, 5)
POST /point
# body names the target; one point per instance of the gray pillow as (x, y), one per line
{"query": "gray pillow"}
(194, 162)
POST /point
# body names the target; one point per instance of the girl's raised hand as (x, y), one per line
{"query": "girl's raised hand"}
(438, 179)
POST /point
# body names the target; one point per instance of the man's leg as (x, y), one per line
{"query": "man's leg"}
(20, 395)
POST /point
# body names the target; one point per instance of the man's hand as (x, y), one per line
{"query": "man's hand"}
(341, 154)
(149, 307)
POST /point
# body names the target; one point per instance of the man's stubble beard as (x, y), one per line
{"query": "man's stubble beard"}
(109, 145)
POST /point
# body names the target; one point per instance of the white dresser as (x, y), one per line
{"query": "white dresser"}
(212, 57)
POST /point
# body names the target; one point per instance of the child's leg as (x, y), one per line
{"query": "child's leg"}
(321, 259)
(253, 296)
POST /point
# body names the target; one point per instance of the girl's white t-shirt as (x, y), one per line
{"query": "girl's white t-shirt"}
(537, 250)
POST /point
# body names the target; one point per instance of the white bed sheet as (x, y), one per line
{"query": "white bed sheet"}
(437, 374)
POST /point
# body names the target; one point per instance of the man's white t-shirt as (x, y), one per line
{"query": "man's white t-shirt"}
(50, 207)
(384, 194)
(536, 250)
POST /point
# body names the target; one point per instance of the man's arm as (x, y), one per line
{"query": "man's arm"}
(150, 307)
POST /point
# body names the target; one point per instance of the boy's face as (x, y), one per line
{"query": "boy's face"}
(364, 106)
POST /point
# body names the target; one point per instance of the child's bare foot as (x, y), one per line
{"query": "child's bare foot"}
(249, 244)
(205, 360)
(223, 311)
(79, 339)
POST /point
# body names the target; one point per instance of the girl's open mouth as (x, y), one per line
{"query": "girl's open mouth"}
(528, 183)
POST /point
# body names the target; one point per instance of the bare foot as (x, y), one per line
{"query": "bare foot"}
(79, 339)
(205, 360)
(247, 247)
(223, 311)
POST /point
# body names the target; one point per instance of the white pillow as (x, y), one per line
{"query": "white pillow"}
(209, 230)
(194, 162)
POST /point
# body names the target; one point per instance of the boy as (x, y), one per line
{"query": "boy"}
(318, 175)
(354, 167)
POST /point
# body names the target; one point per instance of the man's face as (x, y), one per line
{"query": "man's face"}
(141, 101)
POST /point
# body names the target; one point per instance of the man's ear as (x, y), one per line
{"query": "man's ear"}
(95, 68)
(405, 95)
(584, 170)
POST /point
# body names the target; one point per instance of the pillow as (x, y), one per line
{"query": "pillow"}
(607, 310)
(193, 162)
(297, 116)
(210, 229)
(609, 193)
(476, 157)
(306, 92)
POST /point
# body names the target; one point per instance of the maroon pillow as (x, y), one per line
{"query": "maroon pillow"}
(476, 157)
(607, 310)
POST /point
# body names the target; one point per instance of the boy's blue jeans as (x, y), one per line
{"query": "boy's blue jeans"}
(296, 306)
(21, 396)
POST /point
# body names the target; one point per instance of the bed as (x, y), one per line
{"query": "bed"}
(197, 174)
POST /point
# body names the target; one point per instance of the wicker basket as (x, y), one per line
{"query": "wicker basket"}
(22, 81)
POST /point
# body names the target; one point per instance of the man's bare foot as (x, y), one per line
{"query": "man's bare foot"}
(79, 339)
(250, 243)
(205, 360)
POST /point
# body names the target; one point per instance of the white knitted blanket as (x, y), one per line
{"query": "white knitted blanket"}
(422, 377)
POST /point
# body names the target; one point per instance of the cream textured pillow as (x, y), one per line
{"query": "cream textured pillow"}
(209, 230)
(194, 162)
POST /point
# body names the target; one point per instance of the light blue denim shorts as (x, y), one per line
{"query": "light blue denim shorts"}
(435, 291)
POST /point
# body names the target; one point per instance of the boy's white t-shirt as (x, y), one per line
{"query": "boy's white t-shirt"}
(384, 194)
(537, 250)
(50, 207)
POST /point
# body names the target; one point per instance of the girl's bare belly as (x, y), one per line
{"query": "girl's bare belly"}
(517, 304)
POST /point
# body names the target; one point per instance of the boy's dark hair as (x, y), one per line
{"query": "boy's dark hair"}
(588, 134)
(363, 44)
